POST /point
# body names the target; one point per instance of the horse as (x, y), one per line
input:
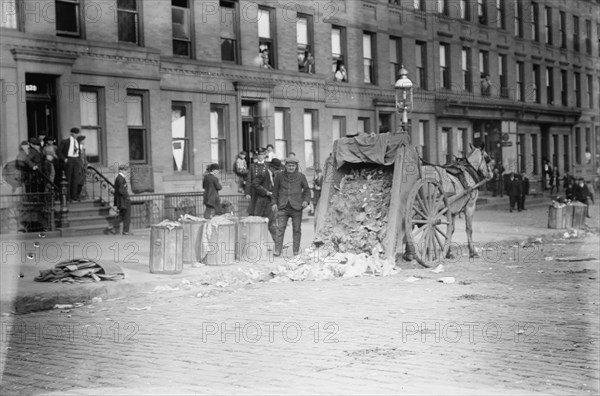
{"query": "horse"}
(457, 179)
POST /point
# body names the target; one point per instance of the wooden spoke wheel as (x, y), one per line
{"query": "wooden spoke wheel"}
(428, 223)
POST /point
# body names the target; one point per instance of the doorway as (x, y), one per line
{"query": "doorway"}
(41, 105)
(250, 133)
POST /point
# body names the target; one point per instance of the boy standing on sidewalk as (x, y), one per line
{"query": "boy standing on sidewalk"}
(122, 201)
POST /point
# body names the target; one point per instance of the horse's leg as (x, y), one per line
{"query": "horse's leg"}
(469, 212)
(449, 254)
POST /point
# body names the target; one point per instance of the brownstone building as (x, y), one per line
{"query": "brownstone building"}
(172, 85)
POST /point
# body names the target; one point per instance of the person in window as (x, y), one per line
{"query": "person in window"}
(486, 84)
(340, 72)
(264, 55)
(211, 186)
(588, 156)
(308, 63)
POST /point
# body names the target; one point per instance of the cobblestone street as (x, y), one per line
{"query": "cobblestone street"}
(523, 323)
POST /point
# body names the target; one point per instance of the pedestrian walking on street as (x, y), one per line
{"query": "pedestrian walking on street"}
(256, 169)
(68, 152)
(513, 190)
(122, 202)
(211, 186)
(291, 194)
(524, 190)
(582, 193)
(264, 184)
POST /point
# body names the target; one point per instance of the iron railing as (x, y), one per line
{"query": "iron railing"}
(98, 187)
(148, 209)
(28, 212)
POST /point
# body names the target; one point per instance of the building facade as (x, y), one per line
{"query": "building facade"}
(171, 86)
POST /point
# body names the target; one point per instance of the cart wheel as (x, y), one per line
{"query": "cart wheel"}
(428, 223)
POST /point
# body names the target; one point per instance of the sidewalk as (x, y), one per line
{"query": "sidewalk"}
(22, 260)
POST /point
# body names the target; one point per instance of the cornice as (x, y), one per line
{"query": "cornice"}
(60, 55)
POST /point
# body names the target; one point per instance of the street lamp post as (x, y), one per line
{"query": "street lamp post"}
(404, 98)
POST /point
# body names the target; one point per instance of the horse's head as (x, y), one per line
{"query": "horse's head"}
(480, 160)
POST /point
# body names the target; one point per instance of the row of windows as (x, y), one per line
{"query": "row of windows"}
(498, 86)
(129, 25)
(137, 105)
(479, 10)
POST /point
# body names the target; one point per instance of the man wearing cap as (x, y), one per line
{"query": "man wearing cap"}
(69, 152)
(122, 201)
(34, 161)
(291, 194)
(263, 185)
(256, 169)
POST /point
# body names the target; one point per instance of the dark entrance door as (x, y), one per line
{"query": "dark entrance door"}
(250, 133)
(41, 105)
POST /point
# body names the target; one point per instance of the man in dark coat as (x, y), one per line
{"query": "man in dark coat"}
(582, 193)
(211, 186)
(255, 169)
(69, 154)
(122, 201)
(264, 184)
(524, 190)
(513, 188)
(34, 162)
(291, 194)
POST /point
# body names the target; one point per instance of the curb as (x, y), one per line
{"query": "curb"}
(85, 293)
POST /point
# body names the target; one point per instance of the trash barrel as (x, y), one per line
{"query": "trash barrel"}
(218, 241)
(579, 213)
(556, 217)
(192, 240)
(253, 239)
(166, 248)
(568, 216)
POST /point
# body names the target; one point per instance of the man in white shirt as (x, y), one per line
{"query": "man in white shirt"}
(69, 154)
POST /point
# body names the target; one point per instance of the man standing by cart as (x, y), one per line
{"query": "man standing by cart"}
(291, 194)
(256, 169)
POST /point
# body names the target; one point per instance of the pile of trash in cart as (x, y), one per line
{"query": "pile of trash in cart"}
(357, 215)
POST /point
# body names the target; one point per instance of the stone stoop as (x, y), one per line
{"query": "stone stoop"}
(87, 218)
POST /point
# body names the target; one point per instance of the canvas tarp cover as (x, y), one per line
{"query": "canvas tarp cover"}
(374, 148)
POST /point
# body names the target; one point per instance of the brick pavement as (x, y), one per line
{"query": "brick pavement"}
(527, 327)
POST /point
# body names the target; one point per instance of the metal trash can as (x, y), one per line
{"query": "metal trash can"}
(218, 241)
(192, 240)
(556, 217)
(166, 248)
(253, 239)
(579, 213)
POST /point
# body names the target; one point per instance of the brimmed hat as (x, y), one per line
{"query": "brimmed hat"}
(35, 141)
(75, 130)
(292, 160)
(261, 151)
(275, 163)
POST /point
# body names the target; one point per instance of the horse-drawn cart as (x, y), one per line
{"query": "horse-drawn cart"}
(423, 199)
